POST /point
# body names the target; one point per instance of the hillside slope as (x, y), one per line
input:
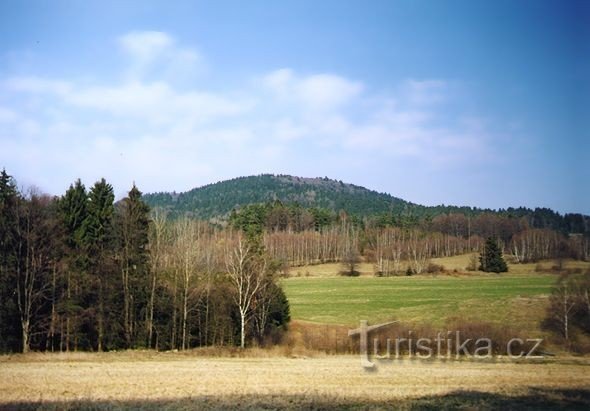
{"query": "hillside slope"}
(217, 200)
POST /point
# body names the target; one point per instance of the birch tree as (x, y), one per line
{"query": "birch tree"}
(158, 238)
(188, 251)
(246, 268)
(563, 302)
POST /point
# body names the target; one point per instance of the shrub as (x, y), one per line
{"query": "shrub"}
(539, 268)
(472, 266)
(435, 268)
(350, 273)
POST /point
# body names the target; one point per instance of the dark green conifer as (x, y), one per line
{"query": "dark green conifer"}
(490, 259)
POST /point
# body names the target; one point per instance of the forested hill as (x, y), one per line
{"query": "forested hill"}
(219, 199)
(216, 201)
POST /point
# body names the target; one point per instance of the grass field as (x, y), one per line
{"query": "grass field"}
(518, 299)
(153, 380)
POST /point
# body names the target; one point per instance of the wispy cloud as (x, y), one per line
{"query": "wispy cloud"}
(424, 92)
(146, 128)
(156, 53)
(314, 92)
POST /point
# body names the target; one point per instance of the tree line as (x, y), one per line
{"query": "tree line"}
(81, 272)
(297, 236)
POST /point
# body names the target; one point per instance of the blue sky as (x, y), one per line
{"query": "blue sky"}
(481, 103)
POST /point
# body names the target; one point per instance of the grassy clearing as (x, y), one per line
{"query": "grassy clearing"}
(513, 298)
(180, 381)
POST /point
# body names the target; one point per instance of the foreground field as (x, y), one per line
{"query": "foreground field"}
(186, 381)
(509, 298)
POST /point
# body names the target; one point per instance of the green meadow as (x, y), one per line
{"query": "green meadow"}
(518, 300)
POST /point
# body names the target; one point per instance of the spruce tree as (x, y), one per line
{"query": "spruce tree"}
(99, 245)
(73, 208)
(491, 259)
(133, 231)
(9, 319)
(73, 211)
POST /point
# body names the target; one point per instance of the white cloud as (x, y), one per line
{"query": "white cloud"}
(145, 128)
(156, 53)
(156, 102)
(327, 90)
(7, 115)
(424, 92)
(285, 129)
(316, 92)
(36, 85)
(145, 45)
(280, 81)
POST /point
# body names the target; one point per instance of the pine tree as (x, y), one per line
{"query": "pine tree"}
(491, 259)
(98, 242)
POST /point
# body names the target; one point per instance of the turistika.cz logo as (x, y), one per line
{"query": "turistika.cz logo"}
(440, 347)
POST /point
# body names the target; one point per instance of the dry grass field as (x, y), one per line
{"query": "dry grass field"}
(458, 263)
(267, 380)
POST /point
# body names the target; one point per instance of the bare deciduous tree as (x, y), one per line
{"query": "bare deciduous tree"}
(158, 240)
(246, 269)
(33, 262)
(188, 235)
(563, 302)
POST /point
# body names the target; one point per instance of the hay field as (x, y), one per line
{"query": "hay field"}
(153, 380)
(458, 262)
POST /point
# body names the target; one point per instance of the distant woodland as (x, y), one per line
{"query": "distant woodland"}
(176, 271)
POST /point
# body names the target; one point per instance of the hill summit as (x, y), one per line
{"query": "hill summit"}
(219, 199)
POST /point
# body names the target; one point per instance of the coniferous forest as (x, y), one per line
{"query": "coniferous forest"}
(83, 272)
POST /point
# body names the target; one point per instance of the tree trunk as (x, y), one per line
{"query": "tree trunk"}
(100, 318)
(174, 311)
(126, 305)
(184, 315)
(68, 325)
(25, 326)
(242, 328)
(49, 344)
(565, 317)
(150, 322)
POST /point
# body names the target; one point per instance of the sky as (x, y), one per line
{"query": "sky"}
(477, 103)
